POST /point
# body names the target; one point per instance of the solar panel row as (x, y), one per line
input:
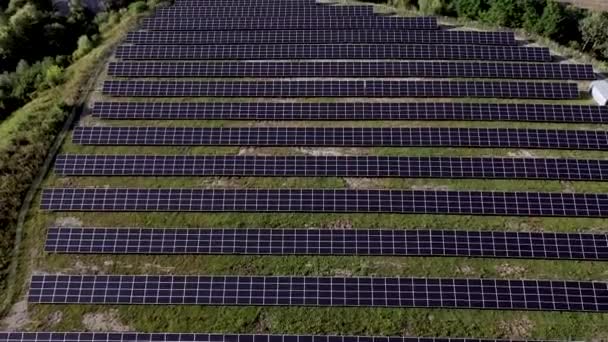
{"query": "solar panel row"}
(328, 242)
(201, 337)
(320, 36)
(335, 51)
(313, 291)
(349, 111)
(309, 166)
(257, 3)
(326, 201)
(341, 88)
(301, 11)
(317, 136)
(353, 69)
(288, 23)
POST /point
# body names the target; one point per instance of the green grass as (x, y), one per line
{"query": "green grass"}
(359, 321)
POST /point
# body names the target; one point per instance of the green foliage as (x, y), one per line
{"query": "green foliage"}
(138, 7)
(470, 9)
(84, 46)
(430, 7)
(507, 13)
(549, 24)
(594, 30)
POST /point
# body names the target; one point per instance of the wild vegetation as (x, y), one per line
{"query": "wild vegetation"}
(40, 52)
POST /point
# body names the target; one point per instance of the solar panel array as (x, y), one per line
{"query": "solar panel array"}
(322, 291)
(319, 36)
(326, 201)
(273, 39)
(302, 11)
(192, 337)
(318, 136)
(330, 166)
(381, 242)
(331, 51)
(352, 69)
(358, 88)
(288, 23)
(349, 111)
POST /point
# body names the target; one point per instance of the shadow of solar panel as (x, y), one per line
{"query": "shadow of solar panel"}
(319, 36)
(326, 201)
(380, 242)
(334, 51)
(353, 69)
(190, 337)
(349, 111)
(347, 136)
(322, 291)
(300, 11)
(288, 23)
(358, 88)
(309, 166)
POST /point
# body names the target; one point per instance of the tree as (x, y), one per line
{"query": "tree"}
(551, 19)
(470, 9)
(594, 30)
(506, 13)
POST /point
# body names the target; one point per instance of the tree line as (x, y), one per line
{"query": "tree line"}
(577, 28)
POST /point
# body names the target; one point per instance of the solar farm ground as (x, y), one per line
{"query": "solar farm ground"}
(311, 320)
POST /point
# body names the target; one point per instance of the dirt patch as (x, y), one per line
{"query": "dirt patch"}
(506, 270)
(426, 187)
(327, 151)
(254, 151)
(167, 269)
(339, 272)
(54, 318)
(81, 268)
(522, 154)
(68, 222)
(340, 224)
(516, 328)
(17, 318)
(465, 270)
(567, 187)
(362, 183)
(104, 321)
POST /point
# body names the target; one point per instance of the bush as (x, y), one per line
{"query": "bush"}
(138, 7)
(470, 9)
(551, 20)
(53, 76)
(429, 7)
(507, 13)
(84, 46)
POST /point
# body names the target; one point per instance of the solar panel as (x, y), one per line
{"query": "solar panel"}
(383, 242)
(253, 4)
(343, 136)
(330, 166)
(302, 11)
(334, 51)
(326, 201)
(349, 111)
(356, 88)
(321, 291)
(353, 69)
(288, 23)
(320, 36)
(191, 337)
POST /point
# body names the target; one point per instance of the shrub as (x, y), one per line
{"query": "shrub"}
(138, 7)
(53, 76)
(470, 9)
(431, 6)
(84, 46)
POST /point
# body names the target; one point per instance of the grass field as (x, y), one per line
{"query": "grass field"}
(360, 321)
